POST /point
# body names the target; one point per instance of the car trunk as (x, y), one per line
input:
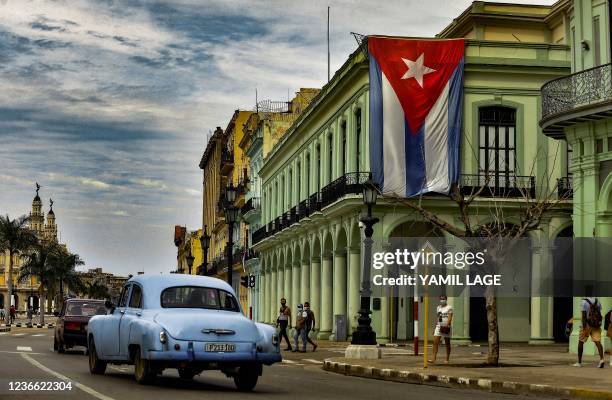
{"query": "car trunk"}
(75, 324)
(206, 325)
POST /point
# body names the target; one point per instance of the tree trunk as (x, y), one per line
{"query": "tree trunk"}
(493, 327)
(9, 286)
(41, 301)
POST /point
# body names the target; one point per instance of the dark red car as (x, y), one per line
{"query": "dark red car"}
(71, 326)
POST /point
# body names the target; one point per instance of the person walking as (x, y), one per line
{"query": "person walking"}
(2, 314)
(283, 320)
(310, 324)
(12, 313)
(590, 327)
(300, 329)
(443, 328)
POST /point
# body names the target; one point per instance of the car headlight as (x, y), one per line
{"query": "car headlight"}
(163, 337)
(275, 339)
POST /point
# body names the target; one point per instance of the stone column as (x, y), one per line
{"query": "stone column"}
(272, 296)
(541, 306)
(287, 288)
(339, 293)
(280, 289)
(353, 287)
(315, 289)
(305, 282)
(295, 285)
(326, 297)
(459, 296)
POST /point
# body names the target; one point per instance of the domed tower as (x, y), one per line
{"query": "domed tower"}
(37, 219)
(51, 227)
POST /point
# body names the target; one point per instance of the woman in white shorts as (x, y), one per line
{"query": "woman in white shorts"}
(443, 328)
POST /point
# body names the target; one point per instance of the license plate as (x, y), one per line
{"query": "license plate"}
(220, 347)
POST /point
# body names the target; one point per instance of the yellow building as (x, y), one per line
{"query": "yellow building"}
(26, 293)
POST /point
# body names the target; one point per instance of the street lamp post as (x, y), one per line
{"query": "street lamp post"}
(190, 259)
(363, 334)
(205, 244)
(231, 217)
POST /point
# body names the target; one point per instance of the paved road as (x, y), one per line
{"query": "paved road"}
(28, 356)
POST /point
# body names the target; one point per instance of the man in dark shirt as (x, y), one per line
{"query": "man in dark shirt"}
(310, 324)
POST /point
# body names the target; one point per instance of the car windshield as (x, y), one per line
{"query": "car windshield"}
(198, 297)
(85, 309)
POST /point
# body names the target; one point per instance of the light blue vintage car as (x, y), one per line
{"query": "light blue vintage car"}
(192, 323)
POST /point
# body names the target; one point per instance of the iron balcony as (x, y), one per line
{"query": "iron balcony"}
(579, 97)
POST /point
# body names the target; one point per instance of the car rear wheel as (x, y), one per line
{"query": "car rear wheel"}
(186, 373)
(96, 366)
(246, 378)
(143, 369)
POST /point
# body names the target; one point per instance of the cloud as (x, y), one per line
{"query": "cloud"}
(95, 183)
(107, 104)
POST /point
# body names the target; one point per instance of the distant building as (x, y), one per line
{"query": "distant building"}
(26, 294)
(113, 282)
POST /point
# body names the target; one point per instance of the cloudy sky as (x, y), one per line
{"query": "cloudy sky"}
(107, 104)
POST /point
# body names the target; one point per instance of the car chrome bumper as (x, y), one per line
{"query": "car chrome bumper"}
(203, 356)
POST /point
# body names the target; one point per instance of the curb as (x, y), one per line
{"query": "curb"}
(462, 382)
(19, 325)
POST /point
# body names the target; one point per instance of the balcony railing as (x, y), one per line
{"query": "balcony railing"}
(565, 187)
(581, 89)
(254, 203)
(351, 183)
(498, 185)
(227, 161)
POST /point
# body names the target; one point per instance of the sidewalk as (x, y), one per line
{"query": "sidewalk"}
(532, 370)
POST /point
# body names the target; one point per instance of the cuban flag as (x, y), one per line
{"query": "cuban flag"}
(416, 102)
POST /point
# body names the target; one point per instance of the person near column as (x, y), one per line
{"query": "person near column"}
(310, 324)
(283, 320)
(300, 329)
(13, 313)
(443, 328)
(590, 326)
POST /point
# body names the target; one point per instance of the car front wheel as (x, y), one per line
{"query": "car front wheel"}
(143, 369)
(246, 378)
(96, 366)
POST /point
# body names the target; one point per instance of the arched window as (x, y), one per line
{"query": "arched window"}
(497, 144)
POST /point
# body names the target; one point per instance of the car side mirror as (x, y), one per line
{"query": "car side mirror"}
(109, 306)
(56, 313)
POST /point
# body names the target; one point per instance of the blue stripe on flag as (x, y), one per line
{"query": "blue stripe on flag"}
(455, 107)
(415, 161)
(376, 124)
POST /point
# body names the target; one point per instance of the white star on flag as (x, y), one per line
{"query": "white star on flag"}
(416, 69)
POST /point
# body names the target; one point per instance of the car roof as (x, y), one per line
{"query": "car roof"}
(154, 284)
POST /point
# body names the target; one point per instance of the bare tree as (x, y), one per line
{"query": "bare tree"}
(494, 233)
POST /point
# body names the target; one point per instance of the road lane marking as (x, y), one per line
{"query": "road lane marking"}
(288, 361)
(313, 361)
(39, 334)
(84, 388)
(17, 352)
(18, 334)
(24, 348)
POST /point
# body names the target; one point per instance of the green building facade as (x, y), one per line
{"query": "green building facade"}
(577, 110)
(309, 244)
